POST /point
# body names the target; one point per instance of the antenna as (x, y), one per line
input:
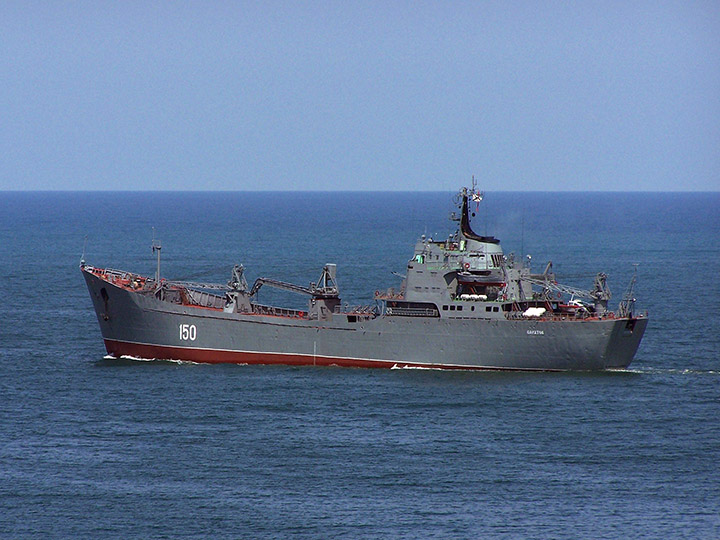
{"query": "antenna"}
(156, 247)
(627, 304)
(82, 257)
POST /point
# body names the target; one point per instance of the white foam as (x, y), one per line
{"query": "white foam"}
(136, 358)
(140, 359)
(669, 371)
(417, 367)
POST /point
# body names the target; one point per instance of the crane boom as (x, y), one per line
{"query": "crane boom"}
(600, 293)
(558, 287)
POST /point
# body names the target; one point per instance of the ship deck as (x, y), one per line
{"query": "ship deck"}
(199, 296)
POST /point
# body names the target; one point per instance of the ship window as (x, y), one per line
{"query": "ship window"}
(472, 308)
(452, 308)
(459, 308)
(488, 308)
(495, 308)
(444, 308)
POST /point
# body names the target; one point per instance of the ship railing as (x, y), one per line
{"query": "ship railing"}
(203, 299)
(260, 309)
(638, 314)
(579, 316)
(412, 312)
(121, 278)
(382, 295)
(549, 315)
(359, 310)
(115, 275)
(199, 286)
(111, 272)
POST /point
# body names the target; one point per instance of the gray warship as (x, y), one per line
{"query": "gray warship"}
(462, 304)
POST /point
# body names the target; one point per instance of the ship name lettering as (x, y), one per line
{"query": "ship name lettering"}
(188, 332)
(536, 332)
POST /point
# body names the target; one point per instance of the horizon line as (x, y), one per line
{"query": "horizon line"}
(348, 191)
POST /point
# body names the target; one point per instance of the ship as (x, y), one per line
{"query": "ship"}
(461, 304)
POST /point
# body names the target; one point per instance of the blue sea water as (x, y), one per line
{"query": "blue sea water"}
(98, 448)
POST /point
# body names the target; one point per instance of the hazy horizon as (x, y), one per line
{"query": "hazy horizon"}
(443, 191)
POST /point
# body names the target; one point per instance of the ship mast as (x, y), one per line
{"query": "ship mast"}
(463, 201)
(156, 247)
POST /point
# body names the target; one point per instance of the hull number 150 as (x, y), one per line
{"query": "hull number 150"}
(188, 332)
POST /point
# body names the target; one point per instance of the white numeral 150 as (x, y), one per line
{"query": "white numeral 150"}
(188, 332)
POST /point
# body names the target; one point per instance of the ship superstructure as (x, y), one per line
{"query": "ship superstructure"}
(462, 304)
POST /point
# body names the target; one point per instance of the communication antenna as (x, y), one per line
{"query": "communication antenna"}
(156, 247)
(82, 257)
(627, 304)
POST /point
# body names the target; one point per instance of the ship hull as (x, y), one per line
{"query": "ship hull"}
(142, 326)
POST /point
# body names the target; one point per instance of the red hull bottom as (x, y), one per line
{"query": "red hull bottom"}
(213, 356)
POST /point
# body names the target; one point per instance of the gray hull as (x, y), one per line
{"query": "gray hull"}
(142, 326)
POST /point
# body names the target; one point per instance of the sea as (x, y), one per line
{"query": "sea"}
(94, 447)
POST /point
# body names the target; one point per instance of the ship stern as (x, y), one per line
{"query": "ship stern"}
(624, 342)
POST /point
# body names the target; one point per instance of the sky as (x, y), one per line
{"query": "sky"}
(360, 95)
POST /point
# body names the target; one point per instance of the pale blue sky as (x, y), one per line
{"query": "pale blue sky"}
(360, 95)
